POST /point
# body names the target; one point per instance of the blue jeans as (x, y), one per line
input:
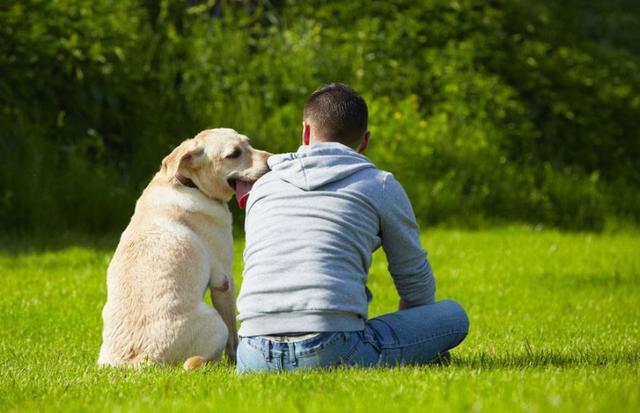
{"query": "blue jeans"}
(418, 335)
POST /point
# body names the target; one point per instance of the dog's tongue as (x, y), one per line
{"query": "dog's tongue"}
(242, 193)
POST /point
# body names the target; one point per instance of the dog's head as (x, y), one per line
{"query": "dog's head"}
(214, 161)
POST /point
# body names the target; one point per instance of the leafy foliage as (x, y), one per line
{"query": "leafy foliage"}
(495, 110)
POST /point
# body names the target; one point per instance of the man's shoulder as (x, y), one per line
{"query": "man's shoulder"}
(386, 178)
(264, 179)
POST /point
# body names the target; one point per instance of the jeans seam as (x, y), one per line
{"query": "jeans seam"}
(319, 347)
(399, 346)
(260, 353)
(347, 358)
(391, 330)
(250, 344)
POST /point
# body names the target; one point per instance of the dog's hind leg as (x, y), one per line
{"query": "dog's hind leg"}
(210, 335)
(104, 359)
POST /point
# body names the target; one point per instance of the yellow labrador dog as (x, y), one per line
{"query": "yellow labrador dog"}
(177, 245)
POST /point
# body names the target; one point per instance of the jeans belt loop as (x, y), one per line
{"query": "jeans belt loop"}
(292, 353)
(267, 350)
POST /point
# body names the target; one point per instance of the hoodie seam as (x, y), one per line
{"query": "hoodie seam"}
(304, 172)
(383, 208)
(384, 187)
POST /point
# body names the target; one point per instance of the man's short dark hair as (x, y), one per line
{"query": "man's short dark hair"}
(337, 113)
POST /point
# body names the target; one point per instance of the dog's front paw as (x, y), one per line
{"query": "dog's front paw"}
(221, 284)
(232, 347)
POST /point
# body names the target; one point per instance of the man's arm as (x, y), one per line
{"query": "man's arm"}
(408, 264)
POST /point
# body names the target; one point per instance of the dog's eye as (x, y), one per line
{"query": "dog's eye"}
(235, 154)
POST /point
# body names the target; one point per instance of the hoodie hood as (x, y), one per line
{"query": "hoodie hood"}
(314, 166)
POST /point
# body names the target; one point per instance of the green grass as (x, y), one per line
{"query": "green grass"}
(554, 326)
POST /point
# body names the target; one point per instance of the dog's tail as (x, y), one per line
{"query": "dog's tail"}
(193, 363)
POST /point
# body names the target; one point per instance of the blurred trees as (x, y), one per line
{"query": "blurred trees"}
(514, 110)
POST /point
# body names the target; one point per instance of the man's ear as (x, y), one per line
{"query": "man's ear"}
(365, 142)
(306, 133)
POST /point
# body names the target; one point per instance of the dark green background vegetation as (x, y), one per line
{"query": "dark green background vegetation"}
(485, 110)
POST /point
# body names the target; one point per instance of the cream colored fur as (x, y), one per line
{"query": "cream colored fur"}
(178, 245)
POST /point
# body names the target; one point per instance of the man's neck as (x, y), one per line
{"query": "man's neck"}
(313, 141)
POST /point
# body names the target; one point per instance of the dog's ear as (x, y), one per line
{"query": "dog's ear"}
(191, 159)
(186, 156)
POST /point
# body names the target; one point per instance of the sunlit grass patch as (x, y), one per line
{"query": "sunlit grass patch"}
(554, 325)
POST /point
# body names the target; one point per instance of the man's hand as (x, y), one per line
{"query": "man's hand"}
(403, 305)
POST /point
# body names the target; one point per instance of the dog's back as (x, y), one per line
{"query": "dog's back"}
(177, 245)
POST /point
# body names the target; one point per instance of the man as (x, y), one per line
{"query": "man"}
(311, 226)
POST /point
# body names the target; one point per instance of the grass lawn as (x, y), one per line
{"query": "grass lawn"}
(554, 326)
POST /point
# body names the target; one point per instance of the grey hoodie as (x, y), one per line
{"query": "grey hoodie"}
(311, 226)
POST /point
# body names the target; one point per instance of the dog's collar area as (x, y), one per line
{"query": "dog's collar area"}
(186, 181)
(190, 184)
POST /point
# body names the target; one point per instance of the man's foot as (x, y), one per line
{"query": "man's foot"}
(441, 359)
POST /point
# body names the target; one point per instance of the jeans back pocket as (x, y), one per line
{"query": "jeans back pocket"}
(317, 343)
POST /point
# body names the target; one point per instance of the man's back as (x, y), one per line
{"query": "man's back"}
(311, 226)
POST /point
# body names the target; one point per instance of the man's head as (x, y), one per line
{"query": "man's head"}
(336, 113)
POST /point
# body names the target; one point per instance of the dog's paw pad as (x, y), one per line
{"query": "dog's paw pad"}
(193, 362)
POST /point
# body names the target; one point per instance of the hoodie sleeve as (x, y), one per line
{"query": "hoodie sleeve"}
(408, 264)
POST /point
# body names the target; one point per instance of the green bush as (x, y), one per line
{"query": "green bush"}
(500, 110)
(83, 86)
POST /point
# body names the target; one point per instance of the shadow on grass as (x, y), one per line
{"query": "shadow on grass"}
(546, 359)
(30, 243)
(601, 281)
(19, 244)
